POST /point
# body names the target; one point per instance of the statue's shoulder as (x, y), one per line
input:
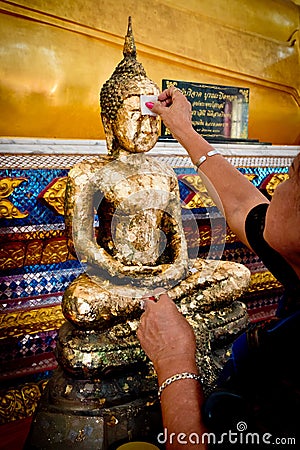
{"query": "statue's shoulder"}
(89, 166)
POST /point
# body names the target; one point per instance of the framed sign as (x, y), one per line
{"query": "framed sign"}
(217, 111)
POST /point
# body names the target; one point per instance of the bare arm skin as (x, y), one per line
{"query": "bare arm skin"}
(169, 341)
(234, 195)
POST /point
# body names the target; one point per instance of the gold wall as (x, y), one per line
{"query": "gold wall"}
(56, 54)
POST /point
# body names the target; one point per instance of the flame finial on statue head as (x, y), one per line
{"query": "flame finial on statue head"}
(129, 49)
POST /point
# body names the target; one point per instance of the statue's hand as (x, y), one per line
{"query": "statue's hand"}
(142, 271)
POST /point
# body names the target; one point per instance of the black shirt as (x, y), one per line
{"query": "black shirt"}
(277, 265)
(260, 384)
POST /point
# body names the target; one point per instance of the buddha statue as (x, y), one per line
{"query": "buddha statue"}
(140, 244)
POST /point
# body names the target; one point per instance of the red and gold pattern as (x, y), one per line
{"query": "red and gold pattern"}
(199, 197)
(16, 254)
(262, 281)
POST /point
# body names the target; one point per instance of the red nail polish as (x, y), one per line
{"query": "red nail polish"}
(149, 105)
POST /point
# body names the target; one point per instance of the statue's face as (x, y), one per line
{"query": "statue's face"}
(136, 133)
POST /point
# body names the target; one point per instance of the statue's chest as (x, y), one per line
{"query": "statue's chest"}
(138, 192)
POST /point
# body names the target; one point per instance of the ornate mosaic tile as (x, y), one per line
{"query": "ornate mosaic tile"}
(25, 196)
(34, 284)
(36, 267)
(28, 345)
(26, 303)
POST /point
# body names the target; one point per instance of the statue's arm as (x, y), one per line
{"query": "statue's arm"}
(79, 222)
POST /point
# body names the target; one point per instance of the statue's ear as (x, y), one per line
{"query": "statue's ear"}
(108, 130)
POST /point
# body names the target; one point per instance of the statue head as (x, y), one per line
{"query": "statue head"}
(124, 125)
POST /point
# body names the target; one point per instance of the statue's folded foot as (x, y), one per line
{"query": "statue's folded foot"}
(90, 354)
(215, 332)
(211, 286)
(90, 304)
(208, 299)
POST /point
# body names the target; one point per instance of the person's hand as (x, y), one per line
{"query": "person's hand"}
(175, 111)
(166, 336)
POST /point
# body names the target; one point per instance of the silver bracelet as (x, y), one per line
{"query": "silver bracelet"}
(204, 157)
(178, 376)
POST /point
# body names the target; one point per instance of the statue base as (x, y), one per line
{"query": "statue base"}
(73, 414)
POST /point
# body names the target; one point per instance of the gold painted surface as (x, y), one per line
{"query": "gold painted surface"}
(7, 209)
(34, 253)
(201, 198)
(20, 402)
(263, 281)
(54, 194)
(18, 323)
(49, 78)
(55, 251)
(276, 179)
(12, 255)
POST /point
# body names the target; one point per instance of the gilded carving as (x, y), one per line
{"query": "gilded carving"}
(55, 251)
(141, 242)
(15, 254)
(7, 209)
(54, 194)
(11, 406)
(12, 255)
(18, 323)
(202, 237)
(33, 252)
(18, 403)
(262, 281)
(201, 198)
(273, 181)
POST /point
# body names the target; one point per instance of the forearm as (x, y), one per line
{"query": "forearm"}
(169, 341)
(181, 403)
(234, 195)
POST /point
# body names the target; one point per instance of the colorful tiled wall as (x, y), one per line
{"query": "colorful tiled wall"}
(36, 266)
